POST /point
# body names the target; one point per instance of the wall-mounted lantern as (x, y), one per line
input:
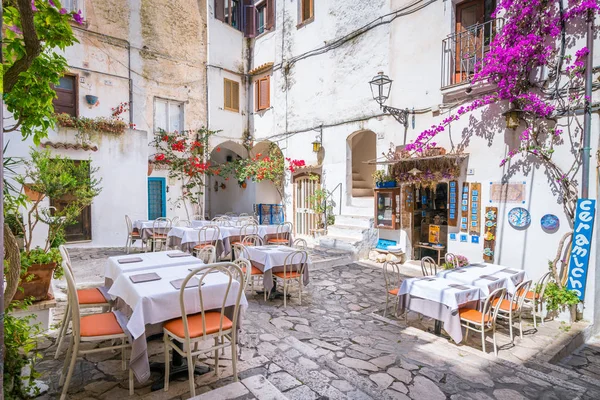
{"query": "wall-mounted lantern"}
(316, 145)
(513, 117)
(381, 85)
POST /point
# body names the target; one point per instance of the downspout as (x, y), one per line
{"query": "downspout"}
(249, 50)
(587, 119)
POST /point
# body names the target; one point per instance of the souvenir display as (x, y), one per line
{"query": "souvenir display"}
(550, 222)
(519, 217)
(475, 208)
(452, 203)
(464, 208)
(489, 237)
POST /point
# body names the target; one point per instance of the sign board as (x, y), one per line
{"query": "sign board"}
(453, 203)
(475, 209)
(580, 250)
(508, 192)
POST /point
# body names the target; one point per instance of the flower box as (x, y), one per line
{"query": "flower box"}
(385, 185)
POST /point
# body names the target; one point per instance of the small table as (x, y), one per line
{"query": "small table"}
(272, 258)
(439, 250)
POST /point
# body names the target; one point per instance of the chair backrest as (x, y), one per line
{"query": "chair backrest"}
(204, 273)
(184, 222)
(65, 254)
(208, 254)
(295, 262)
(284, 230)
(209, 234)
(245, 265)
(520, 292)
(161, 225)
(239, 250)
(249, 228)
(72, 299)
(450, 258)
(300, 244)
(129, 224)
(197, 217)
(242, 215)
(428, 266)
(391, 274)
(252, 240)
(542, 284)
(492, 305)
(230, 214)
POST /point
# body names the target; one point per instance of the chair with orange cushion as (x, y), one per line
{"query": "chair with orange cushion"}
(132, 235)
(485, 320)
(251, 272)
(300, 244)
(86, 298)
(86, 329)
(535, 298)
(208, 235)
(207, 254)
(391, 274)
(512, 307)
(293, 270)
(282, 234)
(191, 329)
(247, 229)
(160, 229)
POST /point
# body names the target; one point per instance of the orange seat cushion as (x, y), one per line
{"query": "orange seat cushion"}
(530, 295)
(254, 271)
(159, 236)
(289, 275)
(202, 246)
(278, 241)
(135, 234)
(213, 318)
(394, 292)
(472, 315)
(90, 296)
(505, 305)
(104, 324)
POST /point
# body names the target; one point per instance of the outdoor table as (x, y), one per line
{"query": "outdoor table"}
(271, 259)
(149, 304)
(114, 268)
(187, 238)
(439, 299)
(145, 227)
(482, 275)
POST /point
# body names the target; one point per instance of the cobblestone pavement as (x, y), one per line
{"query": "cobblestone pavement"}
(336, 345)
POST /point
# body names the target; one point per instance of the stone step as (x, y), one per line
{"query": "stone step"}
(339, 243)
(361, 202)
(362, 221)
(362, 185)
(366, 212)
(362, 192)
(254, 387)
(347, 231)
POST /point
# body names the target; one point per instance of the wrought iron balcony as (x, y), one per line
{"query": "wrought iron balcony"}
(463, 51)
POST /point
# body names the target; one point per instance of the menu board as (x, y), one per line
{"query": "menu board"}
(453, 203)
(475, 208)
(464, 208)
(489, 237)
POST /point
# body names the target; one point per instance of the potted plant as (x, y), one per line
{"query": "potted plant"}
(381, 179)
(322, 205)
(462, 262)
(561, 302)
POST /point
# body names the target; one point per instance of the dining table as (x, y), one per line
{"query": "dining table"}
(142, 306)
(440, 299)
(488, 277)
(271, 258)
(146, 227)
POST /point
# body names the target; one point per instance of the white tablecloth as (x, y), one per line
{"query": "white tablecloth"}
(269, 258)
(440, 291)
(149, 260)
(158, 301)
(145, 227)
(472, 275)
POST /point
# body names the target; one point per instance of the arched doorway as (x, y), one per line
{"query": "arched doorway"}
(362, 147)
(224, 194)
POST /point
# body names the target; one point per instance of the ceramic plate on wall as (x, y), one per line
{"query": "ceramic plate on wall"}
(550, 222)
(519, 217)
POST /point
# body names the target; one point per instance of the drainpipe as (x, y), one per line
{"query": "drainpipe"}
(587, 119)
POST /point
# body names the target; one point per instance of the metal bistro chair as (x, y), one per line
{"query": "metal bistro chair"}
(510, 309)
(282, 234)
(90, 328)
(191, 329)
(535, 298)
(485, 320)
(160, 230)
(300, 244)
(293, 269)
(132, 235)
(86, 298)
(197, 217)
(393, 279)
(252, 273)
(450, 258)
(208, 235)
(183, 222)
(207, 254)
(428, 266)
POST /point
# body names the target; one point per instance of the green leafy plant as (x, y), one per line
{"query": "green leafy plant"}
(88, 127)
(380, 176)
(558, 297)
(40, 256)
(321, 204)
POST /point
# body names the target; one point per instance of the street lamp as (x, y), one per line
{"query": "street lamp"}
(380, 89)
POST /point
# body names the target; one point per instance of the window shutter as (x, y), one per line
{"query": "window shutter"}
(220, 10)
(270, 14)
(249, 21)
(227, 93)
(264, 94)
(235, 96)
(256, 95)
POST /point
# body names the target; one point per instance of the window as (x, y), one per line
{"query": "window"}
(262, 93)
(306, 10)
(168, 115)
(231, 96)
(72, 5)
(265, 15)
(261, 11)
(229, 11)
(66, 96)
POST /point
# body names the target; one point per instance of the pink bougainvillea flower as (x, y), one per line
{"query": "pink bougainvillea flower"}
(33, 7)
(51, 3)
(63, 11)
(15, 29)
(78, 17)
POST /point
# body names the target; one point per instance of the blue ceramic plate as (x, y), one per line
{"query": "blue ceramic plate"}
(519, 217)
(550, 222)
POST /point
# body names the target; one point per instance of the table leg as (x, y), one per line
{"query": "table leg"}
(179, 368)
(437, 329)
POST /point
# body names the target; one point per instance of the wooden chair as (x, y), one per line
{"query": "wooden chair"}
(132, 235)
(86, 329)
(428, 266)
(86, 298)
(293, 270)
(208, 235)
(282, 234)
(393, 279)
(207, 254)
(485, 320)
(300, 244)
(450, 258)
(190, 330)
(252, 273)
(513, 307)
(535, 298)
(160, 230)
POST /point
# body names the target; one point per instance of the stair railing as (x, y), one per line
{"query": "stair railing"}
(329, 194)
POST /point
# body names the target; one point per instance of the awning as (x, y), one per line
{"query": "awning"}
(261, 68)
(70, 146)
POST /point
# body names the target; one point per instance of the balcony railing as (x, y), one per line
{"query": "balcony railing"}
(464, 50)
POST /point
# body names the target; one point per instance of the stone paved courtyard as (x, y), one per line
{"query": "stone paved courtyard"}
(336, 345)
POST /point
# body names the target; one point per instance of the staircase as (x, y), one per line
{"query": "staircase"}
(353, 231)
(360, 187)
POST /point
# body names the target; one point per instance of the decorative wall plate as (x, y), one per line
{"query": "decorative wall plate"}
(550, 222)
(519, 217)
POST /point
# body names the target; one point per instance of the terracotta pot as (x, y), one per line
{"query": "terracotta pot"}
(150, 168)
(38, 286)
(32, 194)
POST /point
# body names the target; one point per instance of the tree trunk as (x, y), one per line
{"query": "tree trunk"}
(13, 269)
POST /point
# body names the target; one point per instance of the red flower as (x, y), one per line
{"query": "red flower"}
(165, 138)
(159, 157)
(178, 146)
(218, 149)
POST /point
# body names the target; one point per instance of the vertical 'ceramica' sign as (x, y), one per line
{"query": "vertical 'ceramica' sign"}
(580, 251)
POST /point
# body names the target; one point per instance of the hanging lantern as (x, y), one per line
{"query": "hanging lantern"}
(380, 87)
(513, 117)
(316, 145)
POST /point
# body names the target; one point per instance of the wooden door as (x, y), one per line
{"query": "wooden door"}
(469, 37)
(82, 228)
(306, 219)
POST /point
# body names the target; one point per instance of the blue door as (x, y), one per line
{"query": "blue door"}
(157, 198)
